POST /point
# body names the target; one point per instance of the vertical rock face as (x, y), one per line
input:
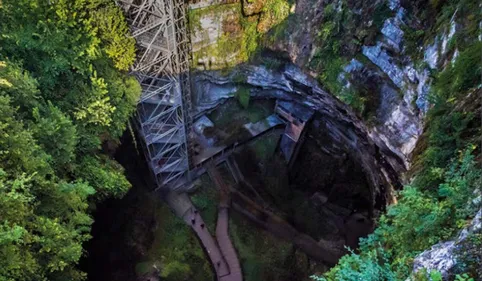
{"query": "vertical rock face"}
(402, 89)
(400, 84)
(379, 65)
(225, 33)
(342, 126)
(441, 256)
(401, 119)
(215, 26)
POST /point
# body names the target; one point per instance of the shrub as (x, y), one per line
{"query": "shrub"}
(469, 256)
(371, 265)
(429, 218)
(457, 78)
(243, 96)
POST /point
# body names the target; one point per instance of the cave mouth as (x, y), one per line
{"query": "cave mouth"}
(323, 192)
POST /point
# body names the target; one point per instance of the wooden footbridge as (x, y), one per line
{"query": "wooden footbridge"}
(219, 249)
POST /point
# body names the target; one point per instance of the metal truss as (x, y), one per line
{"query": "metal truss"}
(162, 69)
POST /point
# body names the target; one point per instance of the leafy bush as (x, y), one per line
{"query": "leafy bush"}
(469, 256)
(372, 265)
(332, 56)
(243, 95)
(431, 218)
(105, 175)
(457, 78)
(388, 253)
(56, 133)
(448, 130)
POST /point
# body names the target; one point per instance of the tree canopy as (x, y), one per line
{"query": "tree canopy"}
(64, 90)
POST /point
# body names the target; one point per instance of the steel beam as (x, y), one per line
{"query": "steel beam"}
(162, 69)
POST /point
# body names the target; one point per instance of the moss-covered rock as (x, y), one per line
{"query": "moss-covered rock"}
(251, 7)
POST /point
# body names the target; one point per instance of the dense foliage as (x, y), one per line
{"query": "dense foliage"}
(439, 201)
(418, 221)
(63, 92)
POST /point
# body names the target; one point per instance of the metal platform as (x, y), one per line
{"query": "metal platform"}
(162, 69)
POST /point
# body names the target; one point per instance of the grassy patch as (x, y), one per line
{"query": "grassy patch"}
(250, 37)
(176, 249)
(230, 117)
(265, 146)
(206, 199)
(261, 255)
(232, 112)
(143, 268)
(243, 96)
(274, 12)
(460, 76)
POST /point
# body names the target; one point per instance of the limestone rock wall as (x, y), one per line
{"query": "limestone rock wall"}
(343, 126)
(380, 64)
(441, 256)
(225, 33)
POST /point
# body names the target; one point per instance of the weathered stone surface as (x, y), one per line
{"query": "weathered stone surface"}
(404, 125)
(401, 87)
(380, 164)
(216, 35)
(394, 4)
(441, 256)
(431, 55)
(435, 53)
(379, 56)
(393, 33)
(251, 7)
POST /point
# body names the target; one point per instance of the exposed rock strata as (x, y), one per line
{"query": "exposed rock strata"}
(400, 85)
(344, 128)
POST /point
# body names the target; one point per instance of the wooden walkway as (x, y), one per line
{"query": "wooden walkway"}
(227, 248)
(220, 250)
(222, 228)
(210, 245)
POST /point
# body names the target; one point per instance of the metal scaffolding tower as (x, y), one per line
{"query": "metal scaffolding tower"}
(162, 69)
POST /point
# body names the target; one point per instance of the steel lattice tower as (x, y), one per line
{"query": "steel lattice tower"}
(162, 69)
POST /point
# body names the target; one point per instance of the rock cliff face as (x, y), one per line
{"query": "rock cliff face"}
(399, 83)
(442, 256)
(379, 63)
(381, 166)
(225, 33)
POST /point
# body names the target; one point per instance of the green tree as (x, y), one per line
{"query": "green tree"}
(104, 174)
(63, 91)
(56, 134)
